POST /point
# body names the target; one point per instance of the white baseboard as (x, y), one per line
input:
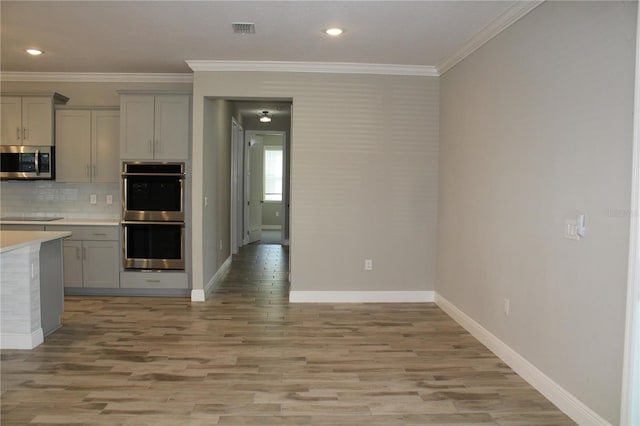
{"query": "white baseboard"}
(360, 296)
(21, 340)
(197, 295)
(201, 295)
(559, 396)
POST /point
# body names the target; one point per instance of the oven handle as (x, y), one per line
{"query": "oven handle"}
(181, 175)
(129, 222)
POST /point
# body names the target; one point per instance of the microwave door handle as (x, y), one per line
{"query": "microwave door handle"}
(37, 162)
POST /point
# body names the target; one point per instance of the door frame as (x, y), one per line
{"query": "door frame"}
(630, 409)
(248, 134)
(237, 171)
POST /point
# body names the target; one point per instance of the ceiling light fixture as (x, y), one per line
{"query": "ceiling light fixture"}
(334, 32)
(265, 118)
(34, 52)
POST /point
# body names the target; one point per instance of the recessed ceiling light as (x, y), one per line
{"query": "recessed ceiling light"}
(34, 52)
(334, 31)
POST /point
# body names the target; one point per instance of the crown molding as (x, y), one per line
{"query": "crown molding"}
(314, 67)
(90, 77)
(495, 27)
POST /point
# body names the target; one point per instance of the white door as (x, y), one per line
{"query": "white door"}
(105, 128)
(256, 181)
(11, 120)
(37, 120)
(73, 145)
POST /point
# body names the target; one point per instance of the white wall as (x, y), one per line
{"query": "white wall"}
(364, 174)
(536, 127)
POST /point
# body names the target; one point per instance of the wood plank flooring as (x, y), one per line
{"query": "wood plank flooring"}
(249, 357)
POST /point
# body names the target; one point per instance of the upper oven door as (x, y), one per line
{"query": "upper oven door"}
(153, 191)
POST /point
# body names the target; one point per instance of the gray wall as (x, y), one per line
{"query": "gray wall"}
(361, 187)
(536, 127)
(216, 183)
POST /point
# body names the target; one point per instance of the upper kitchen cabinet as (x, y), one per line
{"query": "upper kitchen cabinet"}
(87, 145)
(155, 126)
(28, 119)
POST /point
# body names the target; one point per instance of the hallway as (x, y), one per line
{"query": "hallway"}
(248, 357)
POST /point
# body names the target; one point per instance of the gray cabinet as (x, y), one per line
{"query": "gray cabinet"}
(91, 256)
(7, 227)
(28, 119)
(155, 127)
(87, 147)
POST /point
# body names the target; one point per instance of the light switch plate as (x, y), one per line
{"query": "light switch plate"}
(93, 199)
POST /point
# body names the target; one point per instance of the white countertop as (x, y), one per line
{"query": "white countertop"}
(65, 221)
(12, 240)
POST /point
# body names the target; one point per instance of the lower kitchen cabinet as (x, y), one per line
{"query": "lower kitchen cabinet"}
(91, 264)
(154, 280)
(91, 256)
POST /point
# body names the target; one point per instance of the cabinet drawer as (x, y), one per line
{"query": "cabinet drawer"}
(151, 280)
(89, 233)
(22, 227)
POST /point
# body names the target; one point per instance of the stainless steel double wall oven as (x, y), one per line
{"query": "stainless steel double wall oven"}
(153, 215)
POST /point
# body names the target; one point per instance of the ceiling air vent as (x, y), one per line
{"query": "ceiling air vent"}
(243, 27)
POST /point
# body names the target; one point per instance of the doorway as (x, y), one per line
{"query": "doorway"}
(260, 181)
(265, 186)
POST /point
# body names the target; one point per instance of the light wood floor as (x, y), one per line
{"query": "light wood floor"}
(247, 356)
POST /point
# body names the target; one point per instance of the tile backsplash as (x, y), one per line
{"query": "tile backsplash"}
(59, 199)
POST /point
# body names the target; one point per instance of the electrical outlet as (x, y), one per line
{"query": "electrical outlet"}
(571, 229)
(277, 213)
(506, 306)
(93, 199)
(109, 199)
(368, 264)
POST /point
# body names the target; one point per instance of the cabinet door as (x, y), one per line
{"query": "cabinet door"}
(11, 120)
(72, 260)
(172, 124)
(37, 120)
(105, 152)
(73, 145)
(136, 130)
(101, 264)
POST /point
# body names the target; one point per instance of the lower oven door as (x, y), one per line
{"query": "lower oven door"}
(153, 245)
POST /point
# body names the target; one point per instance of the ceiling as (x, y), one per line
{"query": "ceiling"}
(159, 36)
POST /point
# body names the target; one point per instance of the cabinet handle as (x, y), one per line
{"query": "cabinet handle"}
(25, 133)
(77, 253)
(99, 235)
(18, 133)
(152, 281)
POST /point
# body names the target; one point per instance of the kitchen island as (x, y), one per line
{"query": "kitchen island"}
(31, 286)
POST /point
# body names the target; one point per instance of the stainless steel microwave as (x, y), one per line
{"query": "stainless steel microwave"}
(21, 162)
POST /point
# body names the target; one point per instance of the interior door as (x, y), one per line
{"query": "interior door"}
(256, 181)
